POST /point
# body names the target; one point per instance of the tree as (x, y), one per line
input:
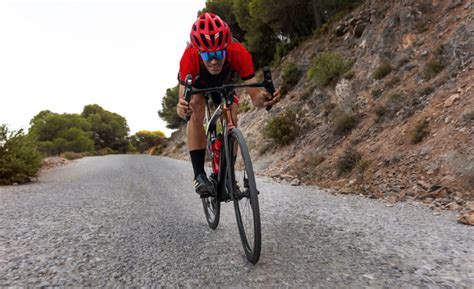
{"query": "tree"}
(19, 158)
(225, 10)
(58, 133)
(260, 38)
(145, 140)
(168, 110)
(109, 129)
(288, 19)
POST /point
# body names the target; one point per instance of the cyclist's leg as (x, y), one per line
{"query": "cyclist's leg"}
(195, 130)
(197, 145)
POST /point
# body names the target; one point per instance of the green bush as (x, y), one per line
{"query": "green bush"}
(380, 111)
(290, 76)
(19, 158)
(74, 155)
(348, 161)
(432, 68)
(283, 128)
(244, 105)
(283, 48)
(328, 67)
(344, 123)
(419, 131)
(382, 70)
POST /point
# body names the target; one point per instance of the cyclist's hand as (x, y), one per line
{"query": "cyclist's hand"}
(271, 100)
(183, 108)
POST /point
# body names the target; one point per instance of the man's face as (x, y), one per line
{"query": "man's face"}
(214, 66)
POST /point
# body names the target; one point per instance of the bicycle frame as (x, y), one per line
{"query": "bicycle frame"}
(226, 183)
(224, 108)
(227, 124)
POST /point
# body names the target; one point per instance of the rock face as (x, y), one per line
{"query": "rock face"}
(413, 128)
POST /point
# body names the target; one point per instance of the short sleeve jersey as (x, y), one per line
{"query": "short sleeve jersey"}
(238, 59)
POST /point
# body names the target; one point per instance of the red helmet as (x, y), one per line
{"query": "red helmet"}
(210, 33)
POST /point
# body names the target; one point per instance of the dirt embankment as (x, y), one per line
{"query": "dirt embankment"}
(413, 137)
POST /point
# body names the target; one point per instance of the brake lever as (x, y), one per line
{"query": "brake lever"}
(268, 83)
(188, 91)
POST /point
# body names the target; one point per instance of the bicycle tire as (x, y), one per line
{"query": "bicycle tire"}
(246, 201)
(211, 205)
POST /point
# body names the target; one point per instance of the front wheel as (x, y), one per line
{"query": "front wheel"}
(211, 205)
(241, 181)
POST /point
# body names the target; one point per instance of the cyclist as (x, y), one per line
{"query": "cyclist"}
(213, 58)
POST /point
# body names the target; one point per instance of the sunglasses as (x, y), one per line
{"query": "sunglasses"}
(217, 55)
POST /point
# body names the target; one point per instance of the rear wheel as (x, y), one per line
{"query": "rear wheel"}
(241, 180)
(211, 205)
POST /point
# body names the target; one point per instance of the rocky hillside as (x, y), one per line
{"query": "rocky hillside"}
(398, 125)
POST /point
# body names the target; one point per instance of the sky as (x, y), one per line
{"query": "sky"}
(63, 55)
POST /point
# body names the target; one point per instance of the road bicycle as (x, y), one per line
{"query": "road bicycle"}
(229, 166)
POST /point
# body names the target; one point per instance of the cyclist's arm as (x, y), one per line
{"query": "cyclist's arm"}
(260, 97)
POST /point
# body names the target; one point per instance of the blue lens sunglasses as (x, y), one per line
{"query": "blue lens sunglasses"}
(217, 55)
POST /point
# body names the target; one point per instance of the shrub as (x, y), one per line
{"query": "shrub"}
(439, 49)
(328, 67)
(362, 165)
(244, 105)
(283, 128)
(468, 116)
(344, 123)
(392, 104)
(290, 76)
(282, 49)
(427, 90)
(347, 161)
(74, 155)
(104, 151)
(419, 132)
(382, 70)
(393, 81)
(380, 111)
(422, 27)
(19, 158)
(376, 93)
(327, 108)
(309, 166)
(432, 68)
(349, 75)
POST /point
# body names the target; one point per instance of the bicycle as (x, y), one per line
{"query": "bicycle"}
(231, 172)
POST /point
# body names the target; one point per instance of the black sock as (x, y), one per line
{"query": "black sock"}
(197, 159)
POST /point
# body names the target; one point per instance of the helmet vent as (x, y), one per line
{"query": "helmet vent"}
(196, 40)
(203, 38)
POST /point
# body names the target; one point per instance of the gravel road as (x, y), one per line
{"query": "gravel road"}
(134, 220)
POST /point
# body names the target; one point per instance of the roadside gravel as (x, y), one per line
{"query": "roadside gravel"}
(135, 220)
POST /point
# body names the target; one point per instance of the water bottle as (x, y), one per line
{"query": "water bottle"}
(216, 153)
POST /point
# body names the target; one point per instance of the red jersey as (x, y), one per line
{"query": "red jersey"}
(237, 59)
